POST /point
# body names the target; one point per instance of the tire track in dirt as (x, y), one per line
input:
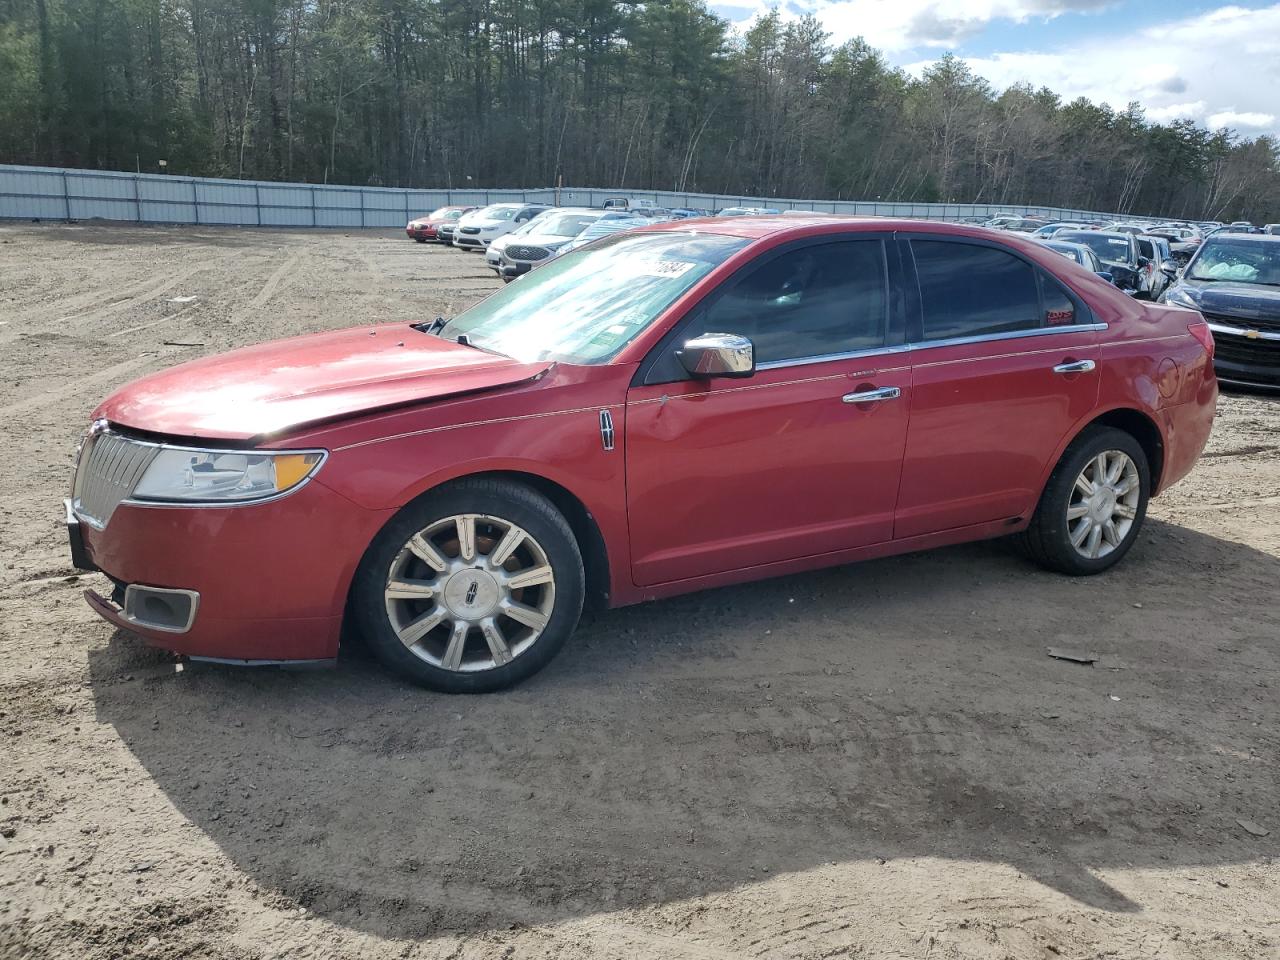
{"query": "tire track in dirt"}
(78, 385)
(287, 268)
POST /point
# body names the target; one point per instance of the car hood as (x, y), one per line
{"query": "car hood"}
(265, 390)
(552, 240)
(1247, 301)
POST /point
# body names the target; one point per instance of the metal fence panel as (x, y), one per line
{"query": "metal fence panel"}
(50, 193)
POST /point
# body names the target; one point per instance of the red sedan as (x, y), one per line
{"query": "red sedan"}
(426, 228)
(679, 407)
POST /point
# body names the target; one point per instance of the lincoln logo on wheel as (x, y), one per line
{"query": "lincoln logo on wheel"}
(471, 593)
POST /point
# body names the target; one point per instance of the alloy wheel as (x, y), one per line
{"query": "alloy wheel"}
(1103, 504)
(470, 592)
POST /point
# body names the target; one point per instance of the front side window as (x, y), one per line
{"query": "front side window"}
(968, 290)
(814, 301)
(587, 305)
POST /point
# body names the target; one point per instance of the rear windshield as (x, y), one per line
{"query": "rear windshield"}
(1109, 248)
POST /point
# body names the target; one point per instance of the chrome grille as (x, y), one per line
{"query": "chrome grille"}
(525, 252)
(1244, 323)
(469, 230)
(110, 467)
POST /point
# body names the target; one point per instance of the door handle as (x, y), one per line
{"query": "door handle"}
(871, 396)
(1075, 366)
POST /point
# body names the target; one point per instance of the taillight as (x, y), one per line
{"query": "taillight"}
(1200, 330)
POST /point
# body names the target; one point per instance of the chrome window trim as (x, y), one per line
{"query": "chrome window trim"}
(1008, 335)
(832, 357)
(1246, 333)
(197, 504)
(930, 344)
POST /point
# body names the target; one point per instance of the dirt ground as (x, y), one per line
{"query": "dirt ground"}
(875, 761)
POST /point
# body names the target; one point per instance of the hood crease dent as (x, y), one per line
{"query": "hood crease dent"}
(270, 389)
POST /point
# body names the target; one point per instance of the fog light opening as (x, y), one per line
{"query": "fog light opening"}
(159, 608)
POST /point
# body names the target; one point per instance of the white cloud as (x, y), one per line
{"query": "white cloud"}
(1220, 68)
(898, 25)
(1230, 118)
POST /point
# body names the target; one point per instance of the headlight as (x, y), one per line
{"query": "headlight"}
(1180, 297)
(179, 475)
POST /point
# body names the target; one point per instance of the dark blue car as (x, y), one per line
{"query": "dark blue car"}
(1234, 280)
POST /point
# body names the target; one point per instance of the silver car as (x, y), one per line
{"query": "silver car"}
(545, 236)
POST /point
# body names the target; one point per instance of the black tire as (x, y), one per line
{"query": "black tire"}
(510, 502)
(420, 239)
(1047, 539)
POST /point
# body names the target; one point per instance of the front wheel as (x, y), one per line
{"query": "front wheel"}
(1093, 506)
(471, 589)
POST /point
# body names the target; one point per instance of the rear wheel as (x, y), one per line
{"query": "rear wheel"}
(1093, 506)
(471, 589)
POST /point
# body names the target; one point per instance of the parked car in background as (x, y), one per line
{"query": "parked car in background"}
(1119, 255)
(1082, 255)
(479, 228)
(1234, 281)
(427, 228)
(493, 252)
(666, 410)
(1272, 228)
(747, 212)
(444, 232)
(604, 227)
(685, 213)
(1016, 224)
(1183, 241)
(1163, 267)
(543, 237)
(1050, 229)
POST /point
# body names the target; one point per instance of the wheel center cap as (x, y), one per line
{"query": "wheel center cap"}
(1104, 505)
(471, 594)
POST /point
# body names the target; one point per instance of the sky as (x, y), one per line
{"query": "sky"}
(1218, 65)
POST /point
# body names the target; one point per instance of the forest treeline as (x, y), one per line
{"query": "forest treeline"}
(517, 93)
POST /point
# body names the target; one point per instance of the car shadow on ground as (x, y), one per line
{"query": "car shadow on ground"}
(895, 709)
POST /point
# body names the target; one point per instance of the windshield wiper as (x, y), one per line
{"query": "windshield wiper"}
(435, 326)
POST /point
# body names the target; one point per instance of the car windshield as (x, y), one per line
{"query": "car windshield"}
(497, 213)
(1109, 248)
(444, 213)
(564, 224)
(587, 305)
(1244, 261)
(1069, 251)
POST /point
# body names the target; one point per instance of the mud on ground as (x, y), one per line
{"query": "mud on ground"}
(873, 761)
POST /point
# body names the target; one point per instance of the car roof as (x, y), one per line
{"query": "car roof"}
(1248, 237)
(758, 227)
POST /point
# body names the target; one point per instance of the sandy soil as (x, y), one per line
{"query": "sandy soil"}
(875, 761)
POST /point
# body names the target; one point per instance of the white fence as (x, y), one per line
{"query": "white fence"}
(52, 193)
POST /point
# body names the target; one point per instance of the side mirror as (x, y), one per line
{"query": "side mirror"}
(718, 355)
(1109, 277)
(1169, 268)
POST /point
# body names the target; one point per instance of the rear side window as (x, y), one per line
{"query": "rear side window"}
(970, 291)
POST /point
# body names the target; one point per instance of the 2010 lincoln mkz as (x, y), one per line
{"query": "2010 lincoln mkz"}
(668, 409)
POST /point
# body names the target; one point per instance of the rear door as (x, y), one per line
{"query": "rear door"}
(798, 460)
(1004, 363)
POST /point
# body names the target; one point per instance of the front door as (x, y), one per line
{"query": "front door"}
(800, 459)
(1004, 363)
